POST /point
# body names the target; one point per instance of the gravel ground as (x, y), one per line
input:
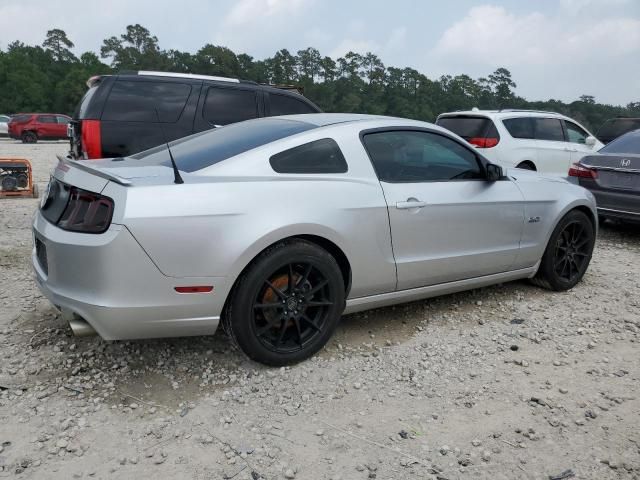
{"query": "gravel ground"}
(507, 382)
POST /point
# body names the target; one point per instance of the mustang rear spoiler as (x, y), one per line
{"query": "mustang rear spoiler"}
(79, 164)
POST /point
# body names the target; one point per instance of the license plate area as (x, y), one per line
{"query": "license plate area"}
(621, 180)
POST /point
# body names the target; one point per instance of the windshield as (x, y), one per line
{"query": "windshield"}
(627, 143)
(208, 148)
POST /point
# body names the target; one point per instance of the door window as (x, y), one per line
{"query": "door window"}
(575, 134)
(414, 156)
(223, 106)
(47, 119)
(548, 129)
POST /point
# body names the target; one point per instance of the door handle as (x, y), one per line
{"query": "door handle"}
(410, 203)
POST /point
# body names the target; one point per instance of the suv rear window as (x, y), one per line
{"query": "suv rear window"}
(213, 146)
(82, 107)
(287, 105)
(223, 106)
(548, 129)
(519, 127)
(468, 127)
(320, 156)
(135, 101)
(615, 127)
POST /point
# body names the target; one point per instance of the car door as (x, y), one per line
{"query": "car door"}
(46, 126)
(554, 154)
(577, 140)
(447, 222)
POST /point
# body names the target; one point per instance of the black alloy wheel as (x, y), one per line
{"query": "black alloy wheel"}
(573, 250)
(287, 304)
(568, 252)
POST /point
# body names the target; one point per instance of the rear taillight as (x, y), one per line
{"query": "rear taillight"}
(484, 142)
(577, 170)
(91, 139)
(86, 212)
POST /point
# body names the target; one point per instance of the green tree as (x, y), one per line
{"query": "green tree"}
(59, 45)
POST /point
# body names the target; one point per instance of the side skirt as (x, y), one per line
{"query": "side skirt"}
(420, 293)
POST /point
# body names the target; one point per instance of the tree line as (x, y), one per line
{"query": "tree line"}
(51, 78)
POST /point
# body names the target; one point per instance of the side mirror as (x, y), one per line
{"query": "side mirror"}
(494, 172)
(590, 141)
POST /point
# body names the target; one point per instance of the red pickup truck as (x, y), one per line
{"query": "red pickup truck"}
(31, 127)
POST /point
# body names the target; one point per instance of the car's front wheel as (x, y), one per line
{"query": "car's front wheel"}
(287, 304)
(568, 252)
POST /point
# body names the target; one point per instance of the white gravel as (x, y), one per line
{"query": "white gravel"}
(508, 382)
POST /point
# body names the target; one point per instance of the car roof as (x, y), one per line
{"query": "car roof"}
(326, 119)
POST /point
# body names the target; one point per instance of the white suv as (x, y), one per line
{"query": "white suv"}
(543, 141)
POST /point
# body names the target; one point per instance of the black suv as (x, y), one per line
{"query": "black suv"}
(130, 112)
(615, 127)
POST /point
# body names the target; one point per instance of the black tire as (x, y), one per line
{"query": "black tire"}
(23, 180)
(568, 253)
(287, 304)
(527, 166)
(29, 137)
(9, 183)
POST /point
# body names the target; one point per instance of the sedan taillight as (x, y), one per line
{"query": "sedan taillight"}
(577, 170)
(86, 212)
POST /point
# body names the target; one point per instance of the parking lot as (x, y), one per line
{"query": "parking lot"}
(506, 382)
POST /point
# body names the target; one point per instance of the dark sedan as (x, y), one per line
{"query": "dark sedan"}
(613, 176)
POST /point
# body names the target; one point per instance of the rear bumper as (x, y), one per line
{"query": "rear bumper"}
(109, 281)
(618, 203)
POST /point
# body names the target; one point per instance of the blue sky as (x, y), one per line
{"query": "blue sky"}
(554, 49)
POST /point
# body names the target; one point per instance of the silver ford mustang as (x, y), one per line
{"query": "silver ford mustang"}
(278, 226)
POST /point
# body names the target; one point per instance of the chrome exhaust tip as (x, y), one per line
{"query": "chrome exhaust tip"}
(81, 328)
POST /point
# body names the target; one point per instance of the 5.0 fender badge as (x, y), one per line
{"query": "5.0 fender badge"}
(534, 219)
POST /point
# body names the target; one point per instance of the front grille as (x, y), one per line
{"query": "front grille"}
(41, 253)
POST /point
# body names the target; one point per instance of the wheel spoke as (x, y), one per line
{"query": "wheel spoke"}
(290, 279)
(279, 292)
(299, 330)
(283, 330)
(311, 292)
(305, 276)
(261, 331)
(319, 303)
(267, 305)
(310, 322)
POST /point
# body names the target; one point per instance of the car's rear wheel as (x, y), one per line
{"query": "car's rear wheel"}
(568, 252)
(29, 137)
(287, 304)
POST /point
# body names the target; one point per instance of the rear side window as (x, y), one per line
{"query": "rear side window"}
(61, 119)
(320, 156)
(627, 143)
(82, 107)
(467, 127)
(47, 119)
(131, 101)
(519, 127)
(287, 105)
(20, 118)
(223, 106)
(548, 129)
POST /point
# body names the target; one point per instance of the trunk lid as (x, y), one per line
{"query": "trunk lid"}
(615, 171)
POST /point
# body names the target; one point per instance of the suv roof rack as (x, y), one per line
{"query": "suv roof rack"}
(526, 110)
(186, 75)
